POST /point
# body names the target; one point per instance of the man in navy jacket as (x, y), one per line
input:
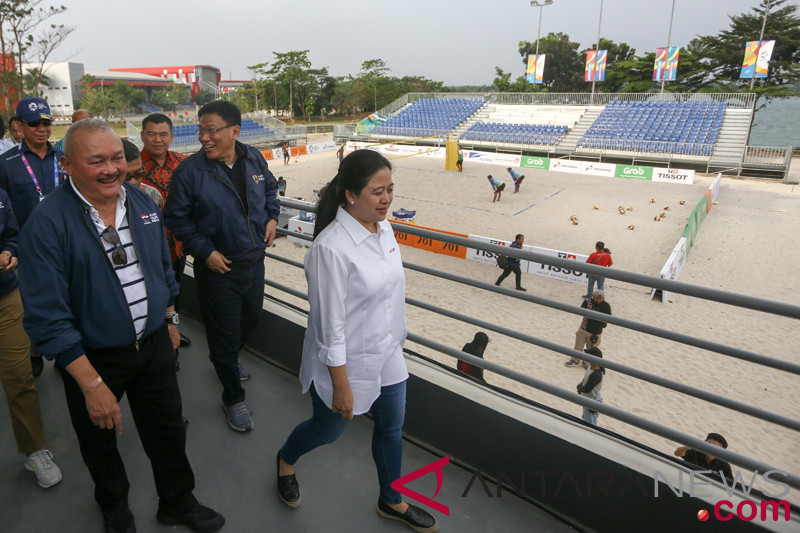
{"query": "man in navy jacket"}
(98, 289)
(223, 205)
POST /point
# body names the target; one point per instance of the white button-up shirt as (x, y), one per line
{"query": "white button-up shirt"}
(356, 288)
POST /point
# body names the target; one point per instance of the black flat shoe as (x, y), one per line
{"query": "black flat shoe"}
(37, 365)
(119, 520)
(288, 489)
(414, 517)
(185, 342)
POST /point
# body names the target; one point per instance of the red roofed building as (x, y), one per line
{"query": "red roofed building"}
(197, 77)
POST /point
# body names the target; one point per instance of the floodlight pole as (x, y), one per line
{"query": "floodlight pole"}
(599, 25)
(669, 42)
(535, 3)
(760, 38)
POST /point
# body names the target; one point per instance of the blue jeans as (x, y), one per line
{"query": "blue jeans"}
(601, 281)
(325, 426)
(590, 416)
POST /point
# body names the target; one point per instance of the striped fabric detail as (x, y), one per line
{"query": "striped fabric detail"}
(132, 279)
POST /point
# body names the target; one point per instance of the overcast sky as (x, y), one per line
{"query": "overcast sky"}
(457, 42)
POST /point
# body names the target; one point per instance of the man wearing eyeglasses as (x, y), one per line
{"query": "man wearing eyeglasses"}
(223, 205)
(98, 290)
(159, 163)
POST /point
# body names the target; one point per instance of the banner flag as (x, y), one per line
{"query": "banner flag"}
(530, 71)
(659, 64)
(540, 68)
(764, 55)
(757, 57)
(588, 71)
(600, 65)
(672, 63)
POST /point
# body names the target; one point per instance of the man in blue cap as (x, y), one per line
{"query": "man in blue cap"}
(30, 170)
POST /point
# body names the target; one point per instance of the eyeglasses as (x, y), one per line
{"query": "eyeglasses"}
(41, 121)
(139, 174)
(211, 132)
(118, 255)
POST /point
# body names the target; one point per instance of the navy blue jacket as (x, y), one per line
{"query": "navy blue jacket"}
(8, 241)
(72, 297)
(204, 211)
(513, 262)
(16, 181)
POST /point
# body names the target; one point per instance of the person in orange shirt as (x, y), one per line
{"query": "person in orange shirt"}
(600, 257)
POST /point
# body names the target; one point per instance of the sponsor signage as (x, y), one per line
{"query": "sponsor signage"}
(493, 158)
(634, 171)
(490, 258)
(565, 165)
(328, 146)
(535, 162)
(673, 175)
(303, 227)
(598, 169)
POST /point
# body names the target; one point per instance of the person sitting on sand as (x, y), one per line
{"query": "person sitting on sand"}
(498, 187)
(705, 461)
(517, 176)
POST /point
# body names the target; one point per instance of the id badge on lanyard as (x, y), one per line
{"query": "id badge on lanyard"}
(33, 175)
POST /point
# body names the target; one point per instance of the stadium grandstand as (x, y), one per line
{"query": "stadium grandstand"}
(252, 132)
(708, 130)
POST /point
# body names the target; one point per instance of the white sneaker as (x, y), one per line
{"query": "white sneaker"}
(47, 472)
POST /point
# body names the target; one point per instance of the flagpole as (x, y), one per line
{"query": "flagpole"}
(758, 47)
(535, 3)
(599, 25)
(669, 42)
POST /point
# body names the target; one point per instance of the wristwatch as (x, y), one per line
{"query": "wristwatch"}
(173, 318)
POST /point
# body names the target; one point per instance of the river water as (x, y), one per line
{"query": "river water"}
(778, 124)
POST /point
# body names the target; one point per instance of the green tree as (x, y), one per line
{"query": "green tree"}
(372, 74)
(563, 71)
(107, 100)
(502, 83)
(203, 97)
(723, 53)
(615, 73)
(168, 97)
(32, 80)
(28, 37)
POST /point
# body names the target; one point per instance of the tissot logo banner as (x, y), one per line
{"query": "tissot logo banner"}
(436, 467)
(634, 172)
(674, 175)
(535, 162)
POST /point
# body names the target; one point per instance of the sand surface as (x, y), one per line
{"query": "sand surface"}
(747, 244)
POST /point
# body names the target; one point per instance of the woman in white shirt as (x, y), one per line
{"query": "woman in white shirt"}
(353, 349)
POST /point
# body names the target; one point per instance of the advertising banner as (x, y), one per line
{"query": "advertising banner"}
(328, 146)
(671, 70)
(634, 172)
(673, 175)
(494, 158)
(554, 272)
(530, 71)
(535, 162)
(595, 69)
(588, 70)
(565, 165)
(673, 267)
(539, 69)
(756, 56)
(305, 227)
(659, 64)
(598, 169)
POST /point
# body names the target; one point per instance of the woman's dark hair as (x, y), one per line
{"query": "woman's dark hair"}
(355, 171)
(478, 344)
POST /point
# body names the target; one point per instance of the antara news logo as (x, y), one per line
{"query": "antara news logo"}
(770, 508)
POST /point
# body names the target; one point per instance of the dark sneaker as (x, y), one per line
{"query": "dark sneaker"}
(185, 342)
(119, 520)
(239, 416)
(522, 289)
(37, 365)
(288, 488)
(198, 518)
(244, 374)
(414, 517)
(571, 363)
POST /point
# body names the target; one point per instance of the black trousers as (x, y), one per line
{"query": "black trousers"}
(177, 267)
(508, 270)
(231, 305)
(148, 377)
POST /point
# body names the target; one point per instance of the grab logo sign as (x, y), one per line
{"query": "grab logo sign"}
(634, 171)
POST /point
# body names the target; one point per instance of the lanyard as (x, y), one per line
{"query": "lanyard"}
(33, 176)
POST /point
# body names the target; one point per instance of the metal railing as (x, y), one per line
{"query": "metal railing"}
(735, 299)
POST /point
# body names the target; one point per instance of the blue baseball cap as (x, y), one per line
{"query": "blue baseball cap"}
(33, 109)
